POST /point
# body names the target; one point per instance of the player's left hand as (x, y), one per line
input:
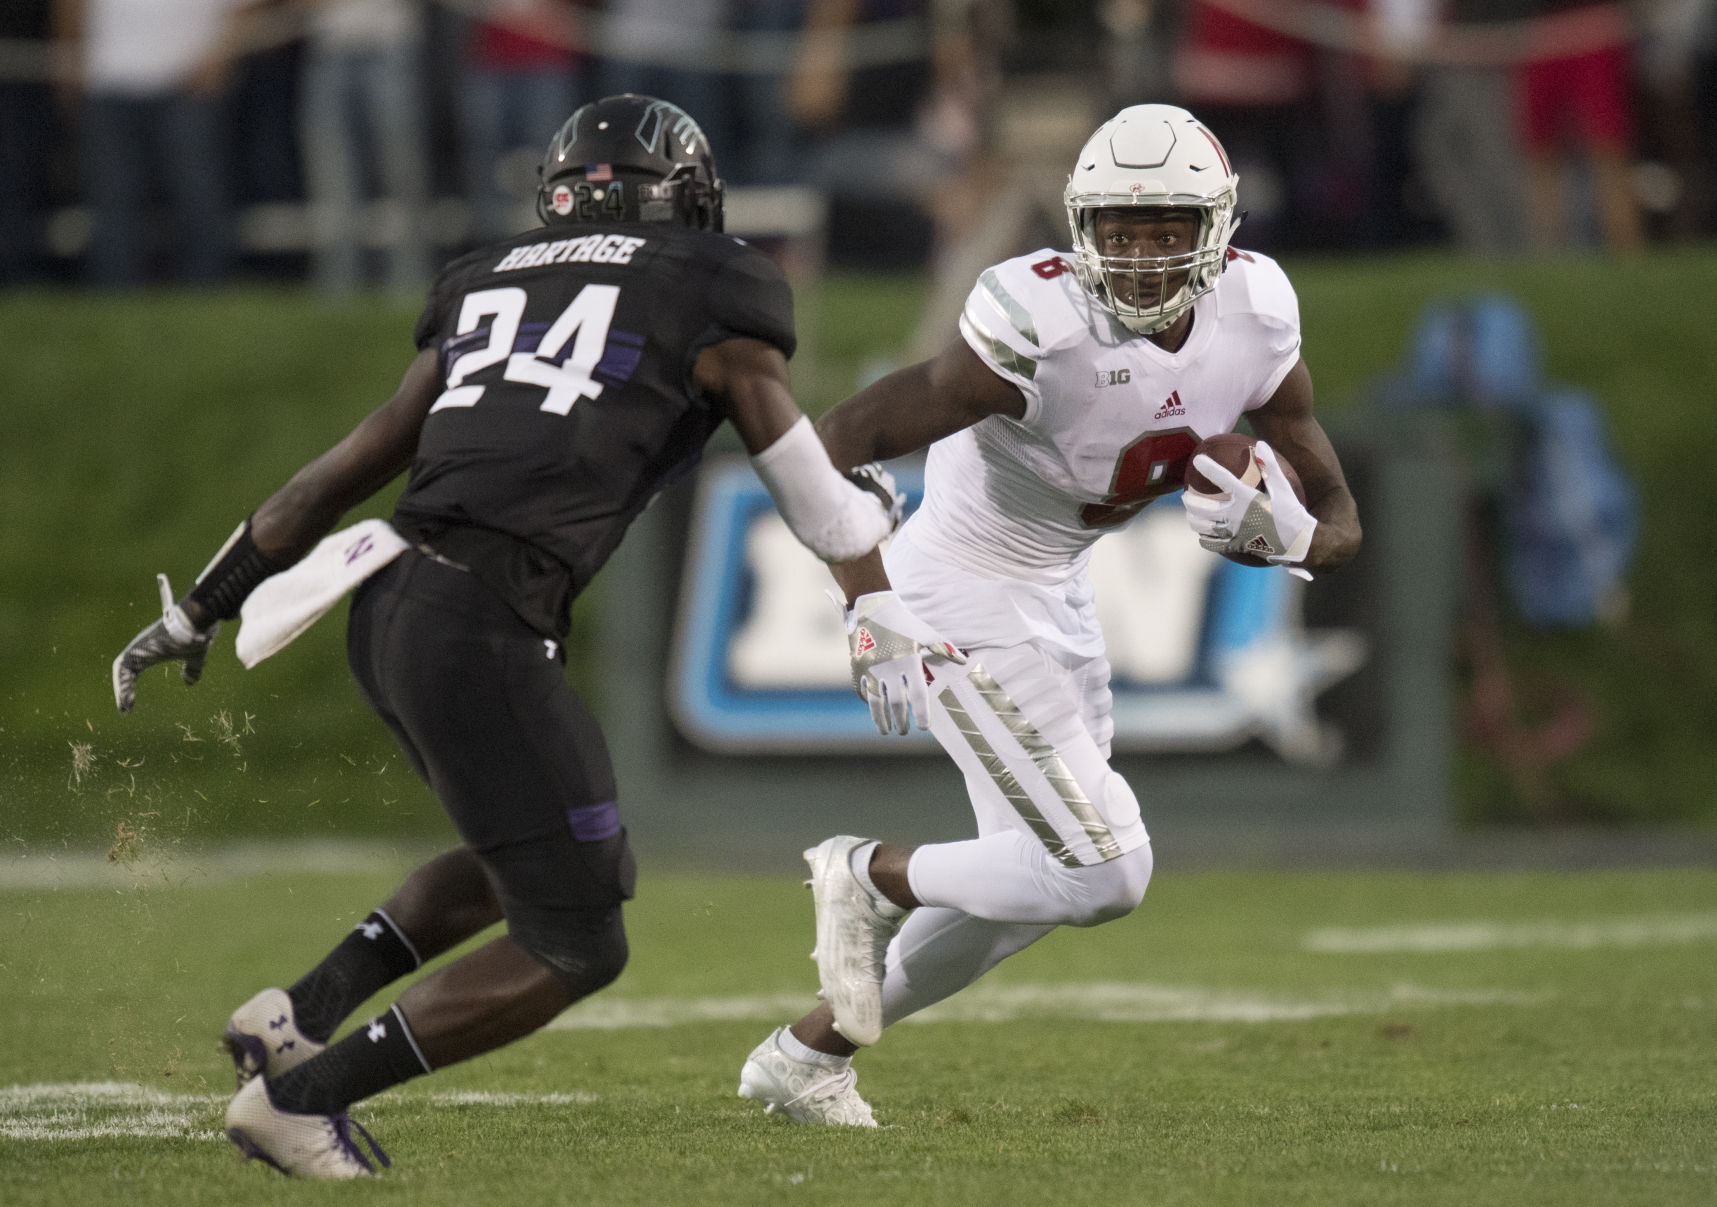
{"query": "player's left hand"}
(889, 646)
(172, 638)
(1271, 523)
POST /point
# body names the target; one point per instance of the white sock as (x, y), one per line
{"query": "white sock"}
(860, 864)
(789, 1043)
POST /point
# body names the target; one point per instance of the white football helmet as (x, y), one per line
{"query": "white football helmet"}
(1152, 155)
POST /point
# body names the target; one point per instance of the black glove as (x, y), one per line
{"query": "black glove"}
(172, 638)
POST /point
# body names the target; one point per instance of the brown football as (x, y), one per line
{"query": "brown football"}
(1233, 451)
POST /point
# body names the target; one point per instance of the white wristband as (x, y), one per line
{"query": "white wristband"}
(833, 518)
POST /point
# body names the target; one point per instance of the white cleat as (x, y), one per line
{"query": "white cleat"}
(852, 940)
(262, 1036)
(801, 1090)
(302, 1146)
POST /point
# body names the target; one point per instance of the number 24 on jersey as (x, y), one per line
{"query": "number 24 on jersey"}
(565, 376)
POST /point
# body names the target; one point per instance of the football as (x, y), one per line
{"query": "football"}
(1233, 451)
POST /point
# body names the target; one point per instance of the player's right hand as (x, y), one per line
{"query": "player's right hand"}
(1270, 523)
(172, 638)
(889, 647)
(874, 479)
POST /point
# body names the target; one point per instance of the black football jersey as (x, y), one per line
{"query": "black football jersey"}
(567, 404)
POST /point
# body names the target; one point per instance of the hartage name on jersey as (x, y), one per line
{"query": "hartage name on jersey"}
(592, 249)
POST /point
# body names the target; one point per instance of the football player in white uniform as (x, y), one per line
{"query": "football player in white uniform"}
(1075, 395)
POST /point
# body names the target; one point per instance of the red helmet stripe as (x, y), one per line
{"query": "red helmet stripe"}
(1220, 153)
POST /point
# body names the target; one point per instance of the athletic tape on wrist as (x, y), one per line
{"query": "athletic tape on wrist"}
(835, 519)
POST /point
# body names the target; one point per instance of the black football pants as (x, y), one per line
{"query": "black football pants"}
(481, 707)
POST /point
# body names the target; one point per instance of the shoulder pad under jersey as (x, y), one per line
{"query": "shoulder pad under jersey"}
(1253, 283)
(749, 294)
(1255, 290)
(1020, 310)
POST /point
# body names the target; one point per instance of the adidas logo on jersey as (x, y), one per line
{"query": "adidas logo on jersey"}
(1172, 405)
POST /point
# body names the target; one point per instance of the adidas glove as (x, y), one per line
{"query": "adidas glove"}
(1271, 523)
(172, 638)
(888, 646)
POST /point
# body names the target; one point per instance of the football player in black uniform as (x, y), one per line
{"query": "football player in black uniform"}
(563, 378)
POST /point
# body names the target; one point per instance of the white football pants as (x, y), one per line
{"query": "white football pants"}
(1060, 841)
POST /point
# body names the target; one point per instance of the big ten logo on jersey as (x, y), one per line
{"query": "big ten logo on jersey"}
(591, 249)
(1207, 655)
(1113, 377)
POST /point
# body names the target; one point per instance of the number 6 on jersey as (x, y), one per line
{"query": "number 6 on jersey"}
(566, 377)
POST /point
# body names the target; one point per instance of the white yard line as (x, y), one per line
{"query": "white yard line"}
(110, 1109)
(484, 1098)
(1101, 1001)
(105, 1109)
(1655, 930)
(179, 867)
(96, 1110)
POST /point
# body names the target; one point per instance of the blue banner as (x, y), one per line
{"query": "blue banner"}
(1206, 655)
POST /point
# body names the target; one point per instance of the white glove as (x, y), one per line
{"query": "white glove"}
(171, 638)
(1271, 523)
(889, 646)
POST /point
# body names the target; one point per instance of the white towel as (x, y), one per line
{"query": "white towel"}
(286, 604)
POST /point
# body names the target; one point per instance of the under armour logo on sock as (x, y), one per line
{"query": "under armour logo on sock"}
(278, 1023)
(370, 930)
(287, 1046)
(378, 1031)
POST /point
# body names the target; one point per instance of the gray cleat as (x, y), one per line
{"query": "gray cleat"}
(852, 939)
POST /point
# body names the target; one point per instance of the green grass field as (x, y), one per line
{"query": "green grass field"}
(1246, 1037)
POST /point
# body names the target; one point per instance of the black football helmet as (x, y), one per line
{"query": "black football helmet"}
(630, 158)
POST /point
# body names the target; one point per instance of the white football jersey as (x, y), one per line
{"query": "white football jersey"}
(998, 550)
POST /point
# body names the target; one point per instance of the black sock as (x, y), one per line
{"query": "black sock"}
(374, 954)
(366, 1062)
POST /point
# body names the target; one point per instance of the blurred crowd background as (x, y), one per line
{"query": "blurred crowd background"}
(357, 143)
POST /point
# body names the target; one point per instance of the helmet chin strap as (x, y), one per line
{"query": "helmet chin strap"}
(1135, 324)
